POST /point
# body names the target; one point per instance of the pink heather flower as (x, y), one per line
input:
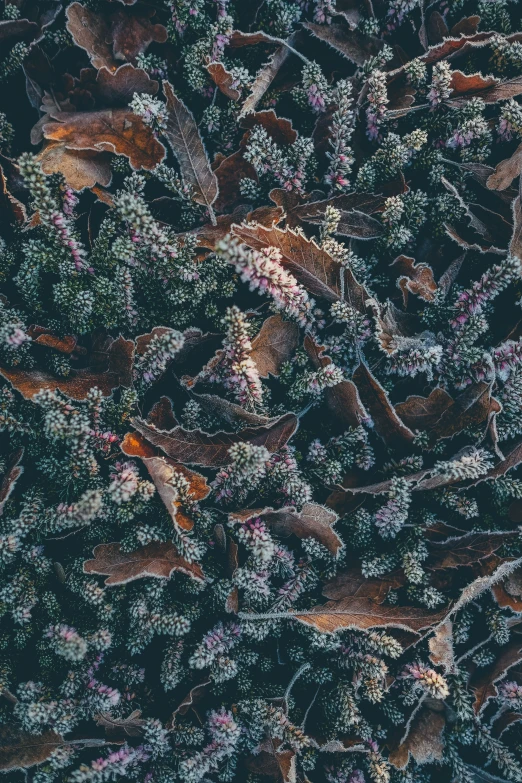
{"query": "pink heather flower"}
(440, 88)
(430, 680)
(264, 272)
(511, 692)
(492, 282)
(377, 102)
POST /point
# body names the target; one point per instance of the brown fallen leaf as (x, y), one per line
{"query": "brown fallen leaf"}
(270, 762)
(197, 448)
(9, 202)
(110, 130)
(110, 366)
(374, 398)
(162, 414)
(441, 647)
(466, 550)
(515, 245)
(280, 129)
(183, 136)
(224, 80)
(229, 412)
(363, 613)
(415, 279)
(509, 591)
(506, 171)
(469, 85)
(343, 399)
(467, 26)
(20, 750)
(91, 32)
(483, 682)
(229, 174)
(192, 698)
(157, 559)
(422, 413)
(81, 168)
(131, 32)
(352, 583)
(12, 473)
(312, 521)
(471, 407)
(116, 728)
(352, 44)
(436, 28)
(312, 266)
(424, 741)
(273, 345)
(161, 469)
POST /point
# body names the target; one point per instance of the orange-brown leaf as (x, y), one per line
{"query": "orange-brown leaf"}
(274, 344)
(20, 750)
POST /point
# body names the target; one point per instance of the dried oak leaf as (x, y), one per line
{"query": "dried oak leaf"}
(194, 447)
(273, 345)
(415, 279)
(91, 32)
(111, 364)
(223, 80)
(184, 138)
(162, 415)
(132, 32)
(424, 741)
(312, 266)
(157, 559)
(109, 130)
(441, 646)
(352, 44)
(483, 681)
(466, 550)
(12, 473)
(422, 413)
(363, 613)
(161, 469)
(117, 88)
(131, 726)
(312, 521)
(506, 171)
(20, 750)
(374, 398)
(81, 168)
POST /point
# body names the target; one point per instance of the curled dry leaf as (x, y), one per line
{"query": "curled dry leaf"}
(224, 80)
(506, 171)
(274, 344)
(441, 646)
(110, 366)
(183, 136)
(424, 740)
(111, 130)
(161, 470)
(116, 728)
(469, 85)
(352, 44)
(352, 583)
(374, 398)
(312, 521)
(415, 279)
(198, 448)
(270, 762)
(483, 682)
(264, 79)
(193, 697)
(229, 174)
(11, 475)
(20, 749)
(157, 559)
(279, 129)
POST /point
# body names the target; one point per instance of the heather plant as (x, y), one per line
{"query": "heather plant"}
(261, 391)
